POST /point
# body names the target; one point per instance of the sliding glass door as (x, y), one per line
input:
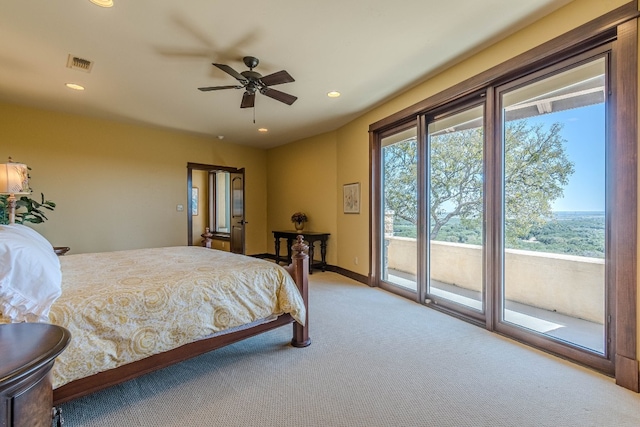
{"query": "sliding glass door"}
(400, 209)
(494, 208)
(455, 176)
(553, 139)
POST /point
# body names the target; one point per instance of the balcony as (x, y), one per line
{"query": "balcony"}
(558, 295)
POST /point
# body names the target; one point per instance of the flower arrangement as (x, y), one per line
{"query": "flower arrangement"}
(299, 217)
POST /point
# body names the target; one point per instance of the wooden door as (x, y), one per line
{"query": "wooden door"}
(237, 213)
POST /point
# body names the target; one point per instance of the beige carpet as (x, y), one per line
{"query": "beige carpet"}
(376, 360)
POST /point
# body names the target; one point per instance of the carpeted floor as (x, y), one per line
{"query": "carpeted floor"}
(376, 360)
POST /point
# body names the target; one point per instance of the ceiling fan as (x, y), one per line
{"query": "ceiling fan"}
(252, 82)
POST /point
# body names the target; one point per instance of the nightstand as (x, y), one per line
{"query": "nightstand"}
(27, 353)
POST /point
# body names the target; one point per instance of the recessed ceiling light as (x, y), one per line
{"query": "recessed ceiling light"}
(74, 86)
(102, 3)
(263, 130)
(333, 94)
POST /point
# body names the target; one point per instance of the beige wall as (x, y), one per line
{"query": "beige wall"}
(302, 177)
(117, 185)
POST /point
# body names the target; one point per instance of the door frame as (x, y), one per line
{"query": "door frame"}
(208, 168)
(613, 220)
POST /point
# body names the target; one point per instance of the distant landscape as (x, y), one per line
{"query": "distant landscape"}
(571, 233)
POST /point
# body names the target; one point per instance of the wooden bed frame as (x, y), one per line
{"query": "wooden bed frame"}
(298, 269)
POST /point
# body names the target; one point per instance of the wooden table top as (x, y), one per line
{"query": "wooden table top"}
(26, 347)
(303, 232)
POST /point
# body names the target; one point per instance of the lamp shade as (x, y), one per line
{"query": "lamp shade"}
(14, 178)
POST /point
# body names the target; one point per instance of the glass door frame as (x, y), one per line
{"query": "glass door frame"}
(423, 244)
(377, 217)
(601, 362)
(475, 100)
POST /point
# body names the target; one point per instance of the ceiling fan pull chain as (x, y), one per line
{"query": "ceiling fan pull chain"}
(254, 115)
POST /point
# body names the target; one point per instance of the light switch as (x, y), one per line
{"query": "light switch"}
(179, 208)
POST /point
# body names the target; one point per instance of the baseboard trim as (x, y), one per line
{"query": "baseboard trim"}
(333, 268)
(350, 274)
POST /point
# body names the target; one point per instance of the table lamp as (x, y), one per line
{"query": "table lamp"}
(14, 179)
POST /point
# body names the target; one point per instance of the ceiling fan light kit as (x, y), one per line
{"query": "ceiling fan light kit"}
(252, 82)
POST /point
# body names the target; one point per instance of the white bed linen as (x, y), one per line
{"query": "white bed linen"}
(30, 278)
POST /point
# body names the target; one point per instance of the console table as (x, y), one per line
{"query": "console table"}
(310, 237)
(27, 353)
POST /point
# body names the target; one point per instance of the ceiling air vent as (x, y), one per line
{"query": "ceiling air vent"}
(77, 63)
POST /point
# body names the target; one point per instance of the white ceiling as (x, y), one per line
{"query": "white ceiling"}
(150, 56)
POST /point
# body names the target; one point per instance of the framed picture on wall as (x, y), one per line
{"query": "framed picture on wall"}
(194, 201)
(351, 196)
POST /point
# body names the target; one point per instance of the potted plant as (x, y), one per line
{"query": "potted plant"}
(27, 209)
(298, 219)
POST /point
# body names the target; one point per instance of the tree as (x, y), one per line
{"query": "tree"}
(536, 169)
(401, 179)
(456, 177)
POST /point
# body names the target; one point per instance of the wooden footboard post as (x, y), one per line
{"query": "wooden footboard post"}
(299, 270)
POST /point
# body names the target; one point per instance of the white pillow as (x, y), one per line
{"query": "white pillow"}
(30, 276)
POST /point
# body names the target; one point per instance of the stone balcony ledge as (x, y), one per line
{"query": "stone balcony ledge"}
(567, 284)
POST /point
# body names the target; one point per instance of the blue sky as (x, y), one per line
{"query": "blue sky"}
(584, 132)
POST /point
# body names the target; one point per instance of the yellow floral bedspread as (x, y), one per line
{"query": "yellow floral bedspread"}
(124, 306)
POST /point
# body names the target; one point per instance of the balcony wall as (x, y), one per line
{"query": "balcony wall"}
(570, 285)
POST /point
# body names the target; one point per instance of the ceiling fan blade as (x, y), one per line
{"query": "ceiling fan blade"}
(206, 89)
(277, 78)
(231, 72)
(248, 100)
(279, 96)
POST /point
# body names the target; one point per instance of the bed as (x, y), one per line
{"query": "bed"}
(132, 312)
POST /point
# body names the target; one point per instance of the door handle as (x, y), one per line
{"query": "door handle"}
(243, 222)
